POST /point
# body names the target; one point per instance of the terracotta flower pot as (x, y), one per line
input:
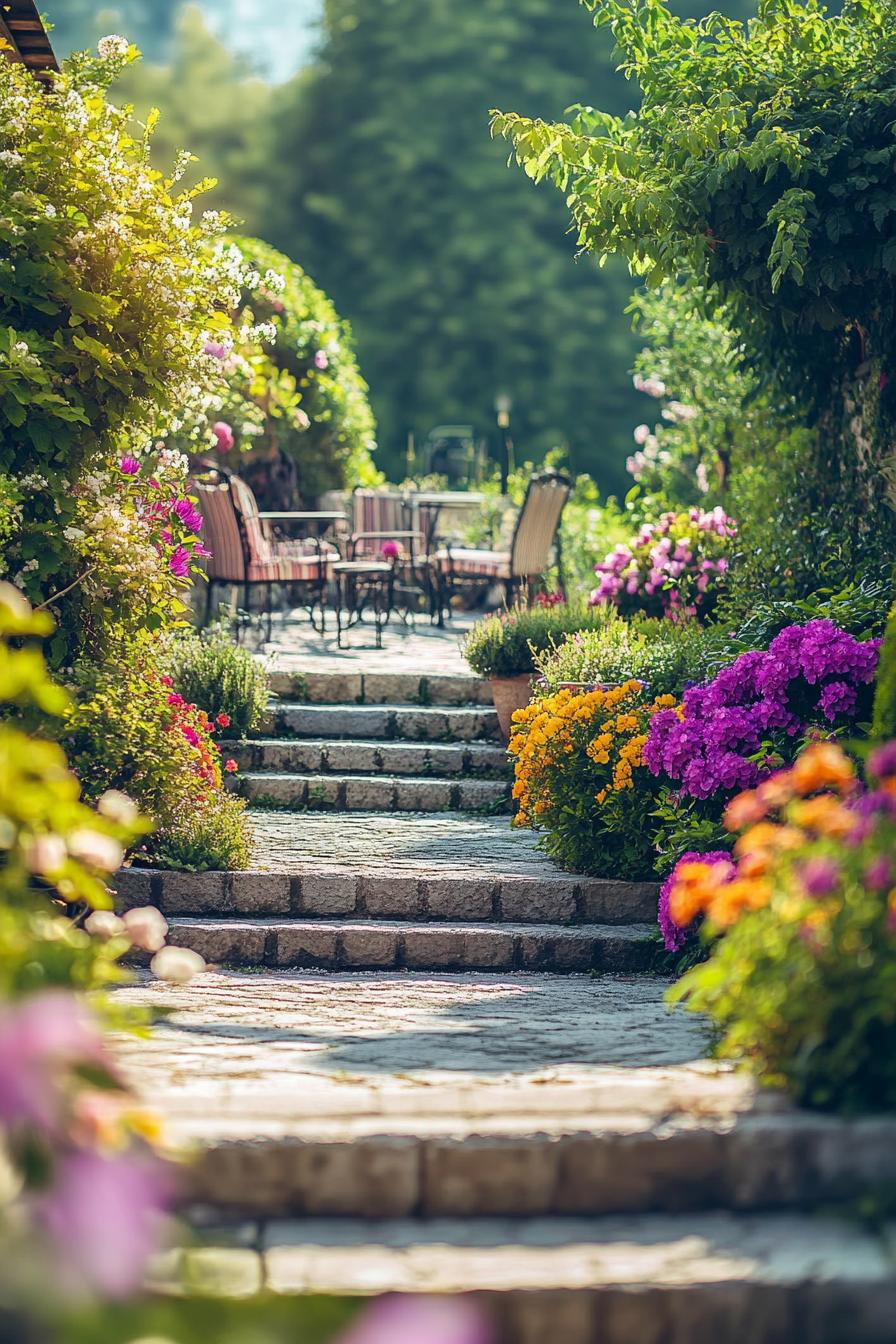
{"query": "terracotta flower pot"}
(510, 693)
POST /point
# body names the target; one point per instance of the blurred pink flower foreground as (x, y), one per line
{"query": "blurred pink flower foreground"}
(420, 1320)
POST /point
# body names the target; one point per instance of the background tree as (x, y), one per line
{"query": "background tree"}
(762, 163)
(212, 104)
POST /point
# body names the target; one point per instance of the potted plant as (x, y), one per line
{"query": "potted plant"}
(503, 647)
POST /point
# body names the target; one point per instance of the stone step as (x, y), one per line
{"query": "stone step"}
(586, 1162)
(401, 945)
(653, 1278)
(380, 688)
(381, 722)
(401, 1095)
(473, 760)
(548, 898)
(373, 793)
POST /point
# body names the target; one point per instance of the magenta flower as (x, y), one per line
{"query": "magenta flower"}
(129, 465)
(199, 549)
(420, 1320)
(188, 514)
(819, 876)
(223, 433)
(390, 550)
(882, 761)
(103, 1215)
(215, 349)
(879, 873)
(179, 562)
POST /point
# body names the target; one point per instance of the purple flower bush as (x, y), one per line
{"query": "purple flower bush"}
(674, 567)
(813, 674)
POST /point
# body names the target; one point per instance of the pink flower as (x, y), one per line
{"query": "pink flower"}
(191, 735)
(188, 514)
(179, 562)
(223, 433)
(104, 1216)
(390, 550)
(129, 465)
(215, 349)
(231, 766)
(321, 359)
(420, 1320)
(42, 1037)
(223, 720)
(642, 433)
(200, 550)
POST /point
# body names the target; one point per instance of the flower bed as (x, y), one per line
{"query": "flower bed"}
(744, 723)
(803, 930)
(581, 779)
(674, 567)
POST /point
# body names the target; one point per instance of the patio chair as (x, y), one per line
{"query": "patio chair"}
(535, 544)
(244, 552)
(380, 516)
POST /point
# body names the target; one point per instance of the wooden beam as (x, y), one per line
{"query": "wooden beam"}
(21, 27)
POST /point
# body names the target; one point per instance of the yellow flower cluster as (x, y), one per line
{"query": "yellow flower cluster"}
(608, 728)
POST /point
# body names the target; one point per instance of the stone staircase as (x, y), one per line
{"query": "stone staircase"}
(377, 743)
(406, 1083)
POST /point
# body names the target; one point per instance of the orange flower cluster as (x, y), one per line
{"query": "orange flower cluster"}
(562, 725)
(780, 816)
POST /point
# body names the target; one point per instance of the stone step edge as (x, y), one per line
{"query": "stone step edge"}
(578, 901)
(421, 759)
(372, 688)
(279, 790)
(758, 1162)
(638, 1253)
(401, 946)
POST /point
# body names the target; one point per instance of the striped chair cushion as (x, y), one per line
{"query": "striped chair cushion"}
(475, 564)
(221, 532)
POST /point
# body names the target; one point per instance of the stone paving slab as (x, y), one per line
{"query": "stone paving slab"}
(426, 650)
(398, 944)
(407, 844)
(383, 722)
(656, 1279)
(372, 793)
(473, 759)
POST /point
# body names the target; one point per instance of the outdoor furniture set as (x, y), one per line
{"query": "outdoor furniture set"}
(389, 558)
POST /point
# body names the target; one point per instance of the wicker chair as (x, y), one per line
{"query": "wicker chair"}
(535, 545)
(244, 552)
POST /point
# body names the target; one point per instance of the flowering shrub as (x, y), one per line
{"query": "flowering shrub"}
(108, 297)
(729, 733)
(581, 780)
(802, 976)
(674, 567)
(210, 669)
(135, 733)
(84, 1186)
(287, 381)
(675, 935)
